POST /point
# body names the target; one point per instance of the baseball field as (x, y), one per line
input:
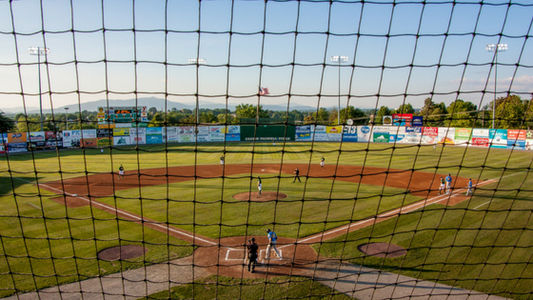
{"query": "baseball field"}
(59, 210)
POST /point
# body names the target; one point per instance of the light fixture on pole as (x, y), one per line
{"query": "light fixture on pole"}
(66, 118)
(39, 51)
(339, 59)
(496, 48)
(197, 62)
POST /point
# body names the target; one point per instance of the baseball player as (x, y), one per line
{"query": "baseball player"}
(296, 175)
(222, 161)
(469, 187)
(442, 187)
(449, 184)
(259, 184)
(322, 162)
(252, 248)
(121, 172)
(272, 238)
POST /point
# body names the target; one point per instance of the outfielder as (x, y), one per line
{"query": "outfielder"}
(121, 172)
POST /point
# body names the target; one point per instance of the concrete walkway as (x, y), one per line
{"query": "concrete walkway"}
(354, 281)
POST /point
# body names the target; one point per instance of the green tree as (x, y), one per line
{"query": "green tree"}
(405, 108)
(383, 111)
(158, 120)
(511, 112)
(6, 124)
(249, 111)
(357, 115)
(462, 113)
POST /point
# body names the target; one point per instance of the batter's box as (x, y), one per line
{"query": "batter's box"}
(235, 254)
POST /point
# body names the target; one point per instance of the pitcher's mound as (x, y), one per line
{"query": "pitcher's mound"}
(382, 250)
(122, 252)
(254, 196)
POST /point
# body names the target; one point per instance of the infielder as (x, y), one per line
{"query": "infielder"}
(322, 162)
(272, 237)
(470, 185)
(259, 184)
(222, 161)
(296, 175)
(442, 187)
(449, 183)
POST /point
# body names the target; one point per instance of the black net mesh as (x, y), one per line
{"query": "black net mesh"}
(144, 143)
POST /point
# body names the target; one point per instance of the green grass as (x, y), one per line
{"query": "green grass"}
(214, 287)
(485, 250)
(307, 209)
(465, 245)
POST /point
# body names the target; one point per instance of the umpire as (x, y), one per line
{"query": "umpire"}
(296, 175)
(252, 254)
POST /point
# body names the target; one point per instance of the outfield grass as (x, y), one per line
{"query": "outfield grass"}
(442, 241)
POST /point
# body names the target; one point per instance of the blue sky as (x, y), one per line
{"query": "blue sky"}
(402, 52)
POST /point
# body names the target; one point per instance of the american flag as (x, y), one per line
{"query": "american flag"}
(263, 91)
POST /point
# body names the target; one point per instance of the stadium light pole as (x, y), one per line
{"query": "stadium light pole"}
(38, 51)
(66, 118)
(197, 62)
(339, 59)
(496, 48)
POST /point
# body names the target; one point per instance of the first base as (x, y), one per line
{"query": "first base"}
(74, 195)
(263, 170)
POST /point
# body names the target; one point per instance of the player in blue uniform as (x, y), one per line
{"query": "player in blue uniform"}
(470, 185)
(272, 241)
(449, 184)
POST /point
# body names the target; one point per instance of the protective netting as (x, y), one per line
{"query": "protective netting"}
(273, 115)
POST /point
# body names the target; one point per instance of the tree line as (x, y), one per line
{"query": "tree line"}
(512, 112)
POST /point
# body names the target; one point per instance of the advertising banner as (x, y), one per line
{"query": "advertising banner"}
(380, 134)
(480, 137)
(233, 133)
(463, 136)
(88, 133)
(350, 134)
(364, 134)
(320, 133)
(138, 136)
(203, 134)
(187, 134)
(387, 120)
(529, 140)
(216, 133)
(121, 140)
(334, 133)
(38, 136)
(53, 140)
(413, 135)
(446, 135)
(172, 134)
(19, 137)
(418, 121)
(71, 138)
(17, 147)
(498, 138)
(100, 133)
(402, 119)
(516, 139)
(154, 135)
(104, 141)
(397, 134)
(304, 133)
(430, 135)
(89, 143)
(121, 132)
(2, 149)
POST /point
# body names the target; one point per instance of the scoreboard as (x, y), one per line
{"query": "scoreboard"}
(109, 116)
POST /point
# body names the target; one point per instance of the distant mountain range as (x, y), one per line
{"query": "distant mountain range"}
(148, 102)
